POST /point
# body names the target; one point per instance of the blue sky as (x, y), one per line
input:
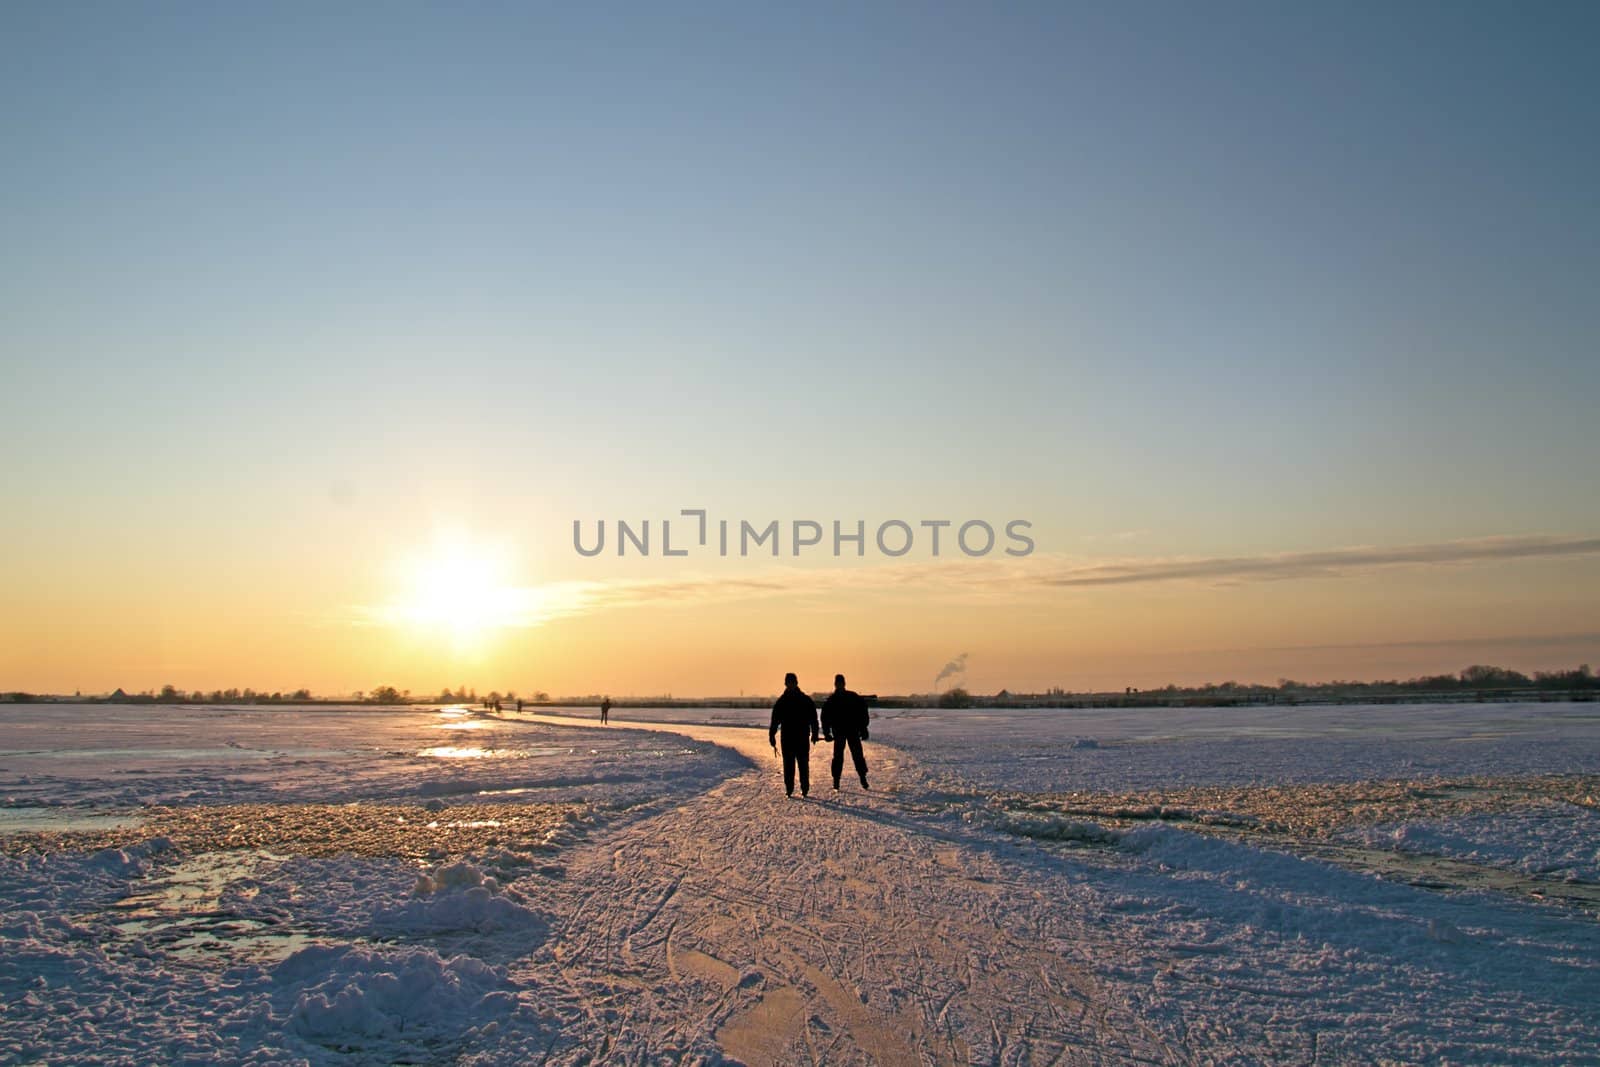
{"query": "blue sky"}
(1200, 238)
(1244, 277)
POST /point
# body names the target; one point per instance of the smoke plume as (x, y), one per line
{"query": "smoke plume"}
(951, 669)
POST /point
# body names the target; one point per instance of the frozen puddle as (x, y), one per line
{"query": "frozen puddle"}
(33, 820)
(222, 754)
(182, 912)
(1444, 873)
(1334, 824)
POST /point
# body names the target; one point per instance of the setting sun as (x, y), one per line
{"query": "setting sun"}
(461, 588)
(467, 590)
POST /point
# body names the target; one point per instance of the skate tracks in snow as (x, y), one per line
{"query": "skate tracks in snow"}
(841, 929)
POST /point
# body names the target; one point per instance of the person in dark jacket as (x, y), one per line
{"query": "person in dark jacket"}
(844, 722)
(795, 715)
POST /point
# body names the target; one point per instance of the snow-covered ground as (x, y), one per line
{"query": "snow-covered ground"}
(1163, 748)
(431, 885)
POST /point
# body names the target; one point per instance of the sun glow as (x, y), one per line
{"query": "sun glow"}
(461, 588)
(465, 591)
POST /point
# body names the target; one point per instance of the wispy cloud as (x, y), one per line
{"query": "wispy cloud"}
(510, 607)
(1331, 563)
(989, 578)
(1118, 535)
(1531, 642)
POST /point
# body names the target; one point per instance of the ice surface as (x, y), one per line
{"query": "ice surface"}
(117, 757)
(1205, 885)
(1166, 748)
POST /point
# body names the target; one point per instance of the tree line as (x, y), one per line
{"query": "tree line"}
(1477, 680)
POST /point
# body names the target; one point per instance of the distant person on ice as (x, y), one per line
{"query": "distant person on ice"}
(796, 716)
(605, 710)
(844, 722)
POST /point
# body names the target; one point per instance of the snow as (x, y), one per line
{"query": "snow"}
(1348, 884)
(1562, 844)
(1165, 748)
(387, 1004)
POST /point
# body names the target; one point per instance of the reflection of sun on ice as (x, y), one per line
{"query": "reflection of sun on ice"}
(460, 718)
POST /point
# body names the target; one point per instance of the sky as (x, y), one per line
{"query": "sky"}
(320, 325)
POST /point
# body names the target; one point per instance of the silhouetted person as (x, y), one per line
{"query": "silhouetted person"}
(795, 714)
(844, 722)
(605, 710)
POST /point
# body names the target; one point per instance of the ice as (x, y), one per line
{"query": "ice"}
(1056, 828)
(1167, 748)
(1549, 841)
(389, 1005)
(111, 759)
(458, 897)
(1203, 885)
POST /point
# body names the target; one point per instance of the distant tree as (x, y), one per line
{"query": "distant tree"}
(1479, 676)
(385, 694)
(197, 696)
(1581, 678)
(1434, 681)
(302, 694)
(955, 698)
(170, 695)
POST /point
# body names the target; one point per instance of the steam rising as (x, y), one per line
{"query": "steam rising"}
(951, 669)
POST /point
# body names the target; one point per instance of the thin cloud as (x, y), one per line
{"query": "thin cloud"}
(992, 578)
(1334, 563)
(1119, 535)
(1513, 641)
(979, 576)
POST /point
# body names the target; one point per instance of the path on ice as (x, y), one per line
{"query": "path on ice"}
(774, 930)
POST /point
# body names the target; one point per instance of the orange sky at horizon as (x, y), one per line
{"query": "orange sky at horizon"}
(889, 626)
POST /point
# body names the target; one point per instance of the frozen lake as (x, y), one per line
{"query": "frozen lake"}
(355, 885)
(1149, 748)
(1154, 748)
(122, 757)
